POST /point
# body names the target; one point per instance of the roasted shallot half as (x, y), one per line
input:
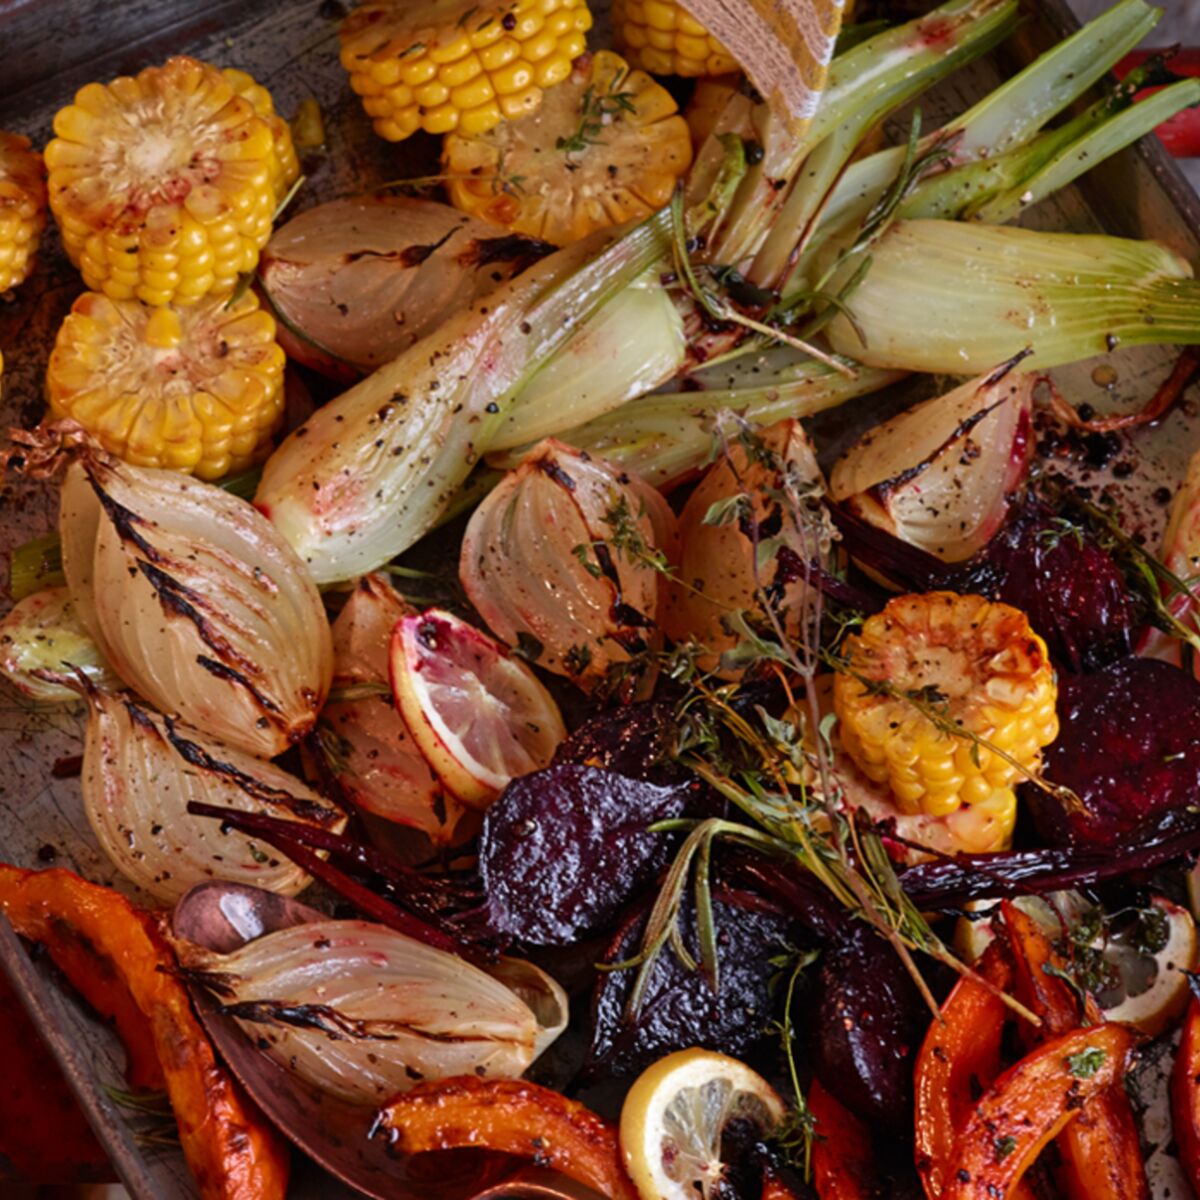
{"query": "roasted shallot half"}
(749, 534)
(43, 644)
(140, 772)
(940, 476)
(190, 594)
(364, 1012)
(564, 559)
(361, 736)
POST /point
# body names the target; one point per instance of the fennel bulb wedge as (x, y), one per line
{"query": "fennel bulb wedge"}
(368, 474)
(954, 298)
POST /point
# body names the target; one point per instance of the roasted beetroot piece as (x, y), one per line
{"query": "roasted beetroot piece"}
(869, 1022)
(635, 740)
(1129, 748)
(680, 1007)
(1065, 582)
(565, 849)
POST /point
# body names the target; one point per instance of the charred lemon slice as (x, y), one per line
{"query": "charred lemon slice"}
(606, 147)
(674, 1117)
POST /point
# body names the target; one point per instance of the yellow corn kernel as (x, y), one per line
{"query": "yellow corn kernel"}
(196, 389)
(173, 159)
(446, 65)
(22, 208)
(285, 169)
(662, 37)
(605, 147)
(931, 659)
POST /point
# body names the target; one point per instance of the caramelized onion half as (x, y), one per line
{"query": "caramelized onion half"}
(197, 602)
(364, 1012)
(733, 517)
(140, 772)
(940, 475)
(557, 560)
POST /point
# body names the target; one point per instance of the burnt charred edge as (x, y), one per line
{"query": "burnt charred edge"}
(516, 248)
(884, 488)
(549, 467)
(623, 614)
(123, 520)
(177, 599)
(410, 256)
(222, 671)
(1005, 367)
(197, 756)
(322, 1017)
(140, 717)
(336, 1025)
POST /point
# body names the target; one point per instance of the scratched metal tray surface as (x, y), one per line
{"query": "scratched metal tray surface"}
(49, 48)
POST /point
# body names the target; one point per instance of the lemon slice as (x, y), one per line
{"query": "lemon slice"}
(479, 717)
(674, 1117)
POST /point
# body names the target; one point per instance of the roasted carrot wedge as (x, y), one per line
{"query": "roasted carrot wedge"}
(842, 1155)
(114, 953)
(1029, 1105)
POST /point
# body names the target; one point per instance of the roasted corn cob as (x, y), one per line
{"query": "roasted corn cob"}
(605, 147)
(22, 208)
(286, 168)
(445, 65)
(928, 661)
(164, 183)
(663, 37)
(196, 389)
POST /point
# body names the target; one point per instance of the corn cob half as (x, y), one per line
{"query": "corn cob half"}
(196, 389)
(607, 146)
(163, 184)
(442, 65)
(975, 663)
(22, 208)
(286, 168)
(661, 36)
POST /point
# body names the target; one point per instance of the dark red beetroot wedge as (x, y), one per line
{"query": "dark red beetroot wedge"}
(1129, 749)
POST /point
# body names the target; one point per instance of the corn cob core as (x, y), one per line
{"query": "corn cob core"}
(196, 389)
(445, 65)
(285, 169)
(661, 36)
(976, 662)
(606, 147)
(163, 184)
(22, 208)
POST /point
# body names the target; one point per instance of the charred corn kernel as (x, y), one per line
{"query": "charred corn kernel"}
(467, 65)
(196, 389)
(286, 168)
(661, 36)
(22, 208)
(979, 665)
(605, 147)
(164, 184)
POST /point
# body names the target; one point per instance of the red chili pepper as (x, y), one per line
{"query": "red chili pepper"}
(1181, 134)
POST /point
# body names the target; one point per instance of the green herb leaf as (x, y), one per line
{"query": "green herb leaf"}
(1086, 1063)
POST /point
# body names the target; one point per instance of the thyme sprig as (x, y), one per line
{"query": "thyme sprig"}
(596, 110)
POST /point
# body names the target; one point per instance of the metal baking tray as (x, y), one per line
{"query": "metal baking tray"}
(49, 48)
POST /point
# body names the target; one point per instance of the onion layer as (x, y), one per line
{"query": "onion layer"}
(140, 772)
(736, 514)
(940, 475)
(364, 740)
(364, 1013)
(41, 639)
(557, 560)
(196, 601)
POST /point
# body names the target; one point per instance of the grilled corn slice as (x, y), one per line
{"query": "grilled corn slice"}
(22, 208)
(605, 147)
(663, 37)
(196, 389)
(163, 184)
(286, 168)
(444, 65)
(937, 658)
